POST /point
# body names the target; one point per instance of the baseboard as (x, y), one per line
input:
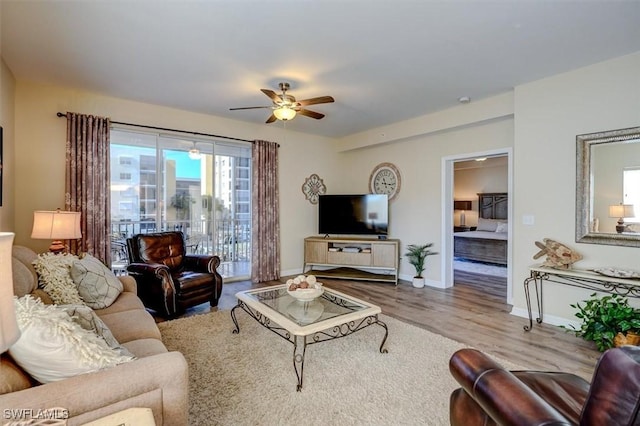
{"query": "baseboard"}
(290, 272)
(427, 282)
(548, 319)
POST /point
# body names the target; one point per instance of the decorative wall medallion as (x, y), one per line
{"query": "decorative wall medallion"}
(385, 179)
(313, 187)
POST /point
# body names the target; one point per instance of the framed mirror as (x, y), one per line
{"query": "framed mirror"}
(608, 187)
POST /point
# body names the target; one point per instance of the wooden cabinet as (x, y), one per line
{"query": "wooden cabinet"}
(352, 258)
(315, 251)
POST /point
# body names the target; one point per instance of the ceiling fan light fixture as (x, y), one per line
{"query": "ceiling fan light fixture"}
(284, 113)
(194, 153)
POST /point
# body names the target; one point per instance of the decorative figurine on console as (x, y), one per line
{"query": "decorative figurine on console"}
(558, 255)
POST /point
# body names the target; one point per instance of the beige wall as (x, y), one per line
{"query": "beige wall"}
(7, 102)
(548, 115)
(40, 155)
(416, 214)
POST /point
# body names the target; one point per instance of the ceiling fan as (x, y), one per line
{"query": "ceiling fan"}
(285, 107)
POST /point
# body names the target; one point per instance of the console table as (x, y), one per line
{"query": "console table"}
(580, 278)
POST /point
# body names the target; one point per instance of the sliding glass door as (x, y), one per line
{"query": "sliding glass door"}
(201, 187)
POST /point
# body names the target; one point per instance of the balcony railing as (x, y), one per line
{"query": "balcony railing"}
(229, 239)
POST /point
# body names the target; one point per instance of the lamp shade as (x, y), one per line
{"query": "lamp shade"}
(284, 113)
(621, 210)
(56, 225)
(462, 205)
(9, 332)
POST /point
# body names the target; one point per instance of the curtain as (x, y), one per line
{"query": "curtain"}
(265, 213)
(87, 182)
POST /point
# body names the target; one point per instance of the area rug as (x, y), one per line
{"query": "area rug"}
(248, 378)
(479, 268)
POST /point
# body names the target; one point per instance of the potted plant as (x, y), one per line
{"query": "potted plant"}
(608, 321)
(416, 255)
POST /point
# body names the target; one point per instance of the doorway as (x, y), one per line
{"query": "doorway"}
(466, 176)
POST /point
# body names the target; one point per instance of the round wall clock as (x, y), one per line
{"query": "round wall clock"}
(385, 179)
(313, 187)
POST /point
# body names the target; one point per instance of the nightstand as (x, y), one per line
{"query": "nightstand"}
(461, 228)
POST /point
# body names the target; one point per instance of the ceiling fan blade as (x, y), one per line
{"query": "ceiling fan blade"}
(311, 114)
(256, 107)
(272, 95)
(271, 119)
(315, 101)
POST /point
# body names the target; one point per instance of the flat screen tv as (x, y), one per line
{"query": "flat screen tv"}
(366, 214)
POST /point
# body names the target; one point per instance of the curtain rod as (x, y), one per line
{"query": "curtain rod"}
(61, 114)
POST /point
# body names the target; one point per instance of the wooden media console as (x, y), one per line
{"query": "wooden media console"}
(352, 258)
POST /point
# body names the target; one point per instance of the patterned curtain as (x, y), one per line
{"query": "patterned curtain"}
(87, 183)
(265, 213)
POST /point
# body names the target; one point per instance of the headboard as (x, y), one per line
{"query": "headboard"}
(493, 205)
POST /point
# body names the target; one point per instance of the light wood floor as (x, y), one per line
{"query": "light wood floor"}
(472, 312)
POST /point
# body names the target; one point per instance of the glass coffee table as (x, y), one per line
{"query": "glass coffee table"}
(331, 316)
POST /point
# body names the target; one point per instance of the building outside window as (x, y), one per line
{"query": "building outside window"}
(157, 186)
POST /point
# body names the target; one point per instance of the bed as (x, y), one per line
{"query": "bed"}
(488, 242)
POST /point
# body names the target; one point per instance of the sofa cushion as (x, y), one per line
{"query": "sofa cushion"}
(53, 347)
(13, 377)
(142, 348)
(24, 279)
(44, 297)
(131, 325)
(55, 278)
(96, 284)
(126, 302)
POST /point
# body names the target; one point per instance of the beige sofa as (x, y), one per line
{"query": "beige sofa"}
(157, 379)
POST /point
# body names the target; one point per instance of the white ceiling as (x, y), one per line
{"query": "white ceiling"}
(383, 61)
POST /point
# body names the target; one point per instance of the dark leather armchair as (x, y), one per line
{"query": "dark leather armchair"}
(491, 395)
(170, 280)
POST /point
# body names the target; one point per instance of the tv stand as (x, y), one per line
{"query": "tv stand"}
(376, 260)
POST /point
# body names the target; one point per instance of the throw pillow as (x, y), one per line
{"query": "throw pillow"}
(96, 284)
(53, 347)
(502, 227)
(489, 225)
(55, 279)
(89, 320)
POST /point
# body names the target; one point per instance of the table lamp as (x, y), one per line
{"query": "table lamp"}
(621, 211)
(462, 205)
(57, 226)
(9, 331)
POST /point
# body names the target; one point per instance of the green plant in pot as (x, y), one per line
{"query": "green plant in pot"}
(608, 321)
(417, 256)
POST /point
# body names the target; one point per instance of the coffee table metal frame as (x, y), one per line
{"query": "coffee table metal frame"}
(363, 315)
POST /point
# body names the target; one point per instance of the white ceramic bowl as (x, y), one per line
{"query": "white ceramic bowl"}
(307, 294)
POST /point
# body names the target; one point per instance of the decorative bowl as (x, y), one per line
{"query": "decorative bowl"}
(307, 294)
(618, 273)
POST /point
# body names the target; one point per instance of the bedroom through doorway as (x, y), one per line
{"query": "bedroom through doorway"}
(480, 224)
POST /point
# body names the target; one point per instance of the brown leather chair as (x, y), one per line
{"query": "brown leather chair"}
(491, 395)
(170, 280)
